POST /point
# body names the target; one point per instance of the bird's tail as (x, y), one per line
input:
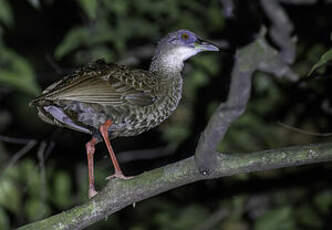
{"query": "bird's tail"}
(39, 101)
(34, 102)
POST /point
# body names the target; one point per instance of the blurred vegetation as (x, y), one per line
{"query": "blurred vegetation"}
(39, 39)
(324, 59)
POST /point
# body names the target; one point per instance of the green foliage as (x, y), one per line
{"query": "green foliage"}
(82, 37)
(31, 176)
(171, 218)
(6, 15)
(16, 72)
(62, 190)
(10, 196)
(4, 220)
(36, 209)
(325, 58)
(89, 7)
(278, 219)
(309, 217)
(113, 25)
(34, 201)
(323, 201)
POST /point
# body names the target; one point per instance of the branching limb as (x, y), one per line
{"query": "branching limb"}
(258, 55)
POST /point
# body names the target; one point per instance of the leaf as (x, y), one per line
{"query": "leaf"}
(89, 7)
(31, 177)
(84, 37)
(62, 189)
(16, 72)
(6, 15)
(72, 40)
(35, 209)
(10, 196)
(326, 57)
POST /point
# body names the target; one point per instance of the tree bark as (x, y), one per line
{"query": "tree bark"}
(121, 193)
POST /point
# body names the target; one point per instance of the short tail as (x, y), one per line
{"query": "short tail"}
(38, 101)
(34, 102)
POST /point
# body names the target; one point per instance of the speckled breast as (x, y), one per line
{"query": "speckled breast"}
(137, 119)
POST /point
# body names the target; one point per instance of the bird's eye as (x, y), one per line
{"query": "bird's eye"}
(185, 36)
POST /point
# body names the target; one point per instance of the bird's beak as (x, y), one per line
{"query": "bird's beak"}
(204, 45)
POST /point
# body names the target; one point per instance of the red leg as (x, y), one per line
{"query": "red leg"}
(90, 150)
(117, 170)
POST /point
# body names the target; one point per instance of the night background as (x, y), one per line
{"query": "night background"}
(41, 41)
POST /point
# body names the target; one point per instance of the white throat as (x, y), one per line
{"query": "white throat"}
(180, 54)
(171, 60)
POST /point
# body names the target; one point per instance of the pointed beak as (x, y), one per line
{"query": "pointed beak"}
(204, 45)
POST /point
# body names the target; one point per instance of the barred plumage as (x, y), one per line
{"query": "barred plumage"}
(110, 100)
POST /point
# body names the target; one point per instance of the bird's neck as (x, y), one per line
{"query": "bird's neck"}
(167, 63)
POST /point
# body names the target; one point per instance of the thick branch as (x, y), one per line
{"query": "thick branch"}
(281, 29)
(121, 193)
(258, 55)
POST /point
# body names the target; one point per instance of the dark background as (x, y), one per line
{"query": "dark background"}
(40, 41)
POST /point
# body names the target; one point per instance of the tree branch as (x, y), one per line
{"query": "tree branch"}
(281, 29)
(121, 193)
(257, 56)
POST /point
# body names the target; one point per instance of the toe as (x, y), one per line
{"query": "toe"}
(92, 193)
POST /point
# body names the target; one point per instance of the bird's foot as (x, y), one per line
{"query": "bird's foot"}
(92, 193)
(118, 174)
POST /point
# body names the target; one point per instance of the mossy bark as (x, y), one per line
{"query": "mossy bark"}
(121, 193)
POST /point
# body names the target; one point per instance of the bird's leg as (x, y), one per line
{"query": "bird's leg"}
(90, 150)
(117, 170)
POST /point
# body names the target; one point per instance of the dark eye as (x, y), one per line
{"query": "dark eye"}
(185, 36)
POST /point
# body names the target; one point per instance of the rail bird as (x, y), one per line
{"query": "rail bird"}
(111, 100)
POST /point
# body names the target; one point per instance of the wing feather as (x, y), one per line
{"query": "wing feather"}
(112, 86)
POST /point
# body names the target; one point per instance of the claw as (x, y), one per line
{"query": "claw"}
(118, 175)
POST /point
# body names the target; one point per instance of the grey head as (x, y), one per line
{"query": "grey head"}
(176, 47)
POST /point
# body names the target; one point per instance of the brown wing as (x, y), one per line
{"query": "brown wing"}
(107, 85)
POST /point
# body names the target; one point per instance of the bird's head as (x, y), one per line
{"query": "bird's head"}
(184, 44)
(175, 48)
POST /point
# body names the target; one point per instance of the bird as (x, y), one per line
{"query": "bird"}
(108, 100)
